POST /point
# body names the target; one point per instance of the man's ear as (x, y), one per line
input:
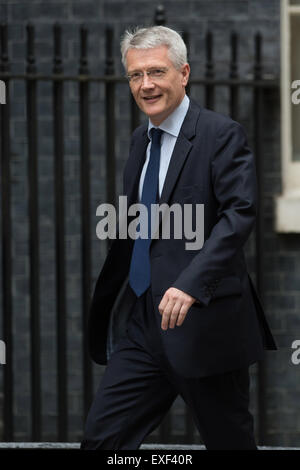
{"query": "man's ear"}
(185, 73)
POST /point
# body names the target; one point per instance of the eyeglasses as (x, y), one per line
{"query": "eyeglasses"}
(153, 74)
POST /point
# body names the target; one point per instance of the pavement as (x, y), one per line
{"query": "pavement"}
(75, 445)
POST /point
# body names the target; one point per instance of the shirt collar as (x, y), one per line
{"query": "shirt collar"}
(173, 122)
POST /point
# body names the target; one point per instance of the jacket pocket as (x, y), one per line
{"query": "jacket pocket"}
(227, 286)
(189, 193)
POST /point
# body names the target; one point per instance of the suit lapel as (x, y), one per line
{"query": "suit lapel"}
(135, 165)
(181, 150)
(180, 153)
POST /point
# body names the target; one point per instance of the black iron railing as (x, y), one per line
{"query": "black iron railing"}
(258, 84)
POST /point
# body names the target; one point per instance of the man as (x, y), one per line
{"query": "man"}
(170, 320)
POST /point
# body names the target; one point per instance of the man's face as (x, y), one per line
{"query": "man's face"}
(157, 97)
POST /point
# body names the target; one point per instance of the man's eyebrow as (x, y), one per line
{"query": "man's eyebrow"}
(148, 68)
(133, 71)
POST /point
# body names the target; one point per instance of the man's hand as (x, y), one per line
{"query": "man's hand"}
(173, 307)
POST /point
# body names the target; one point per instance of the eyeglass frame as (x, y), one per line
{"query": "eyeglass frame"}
(140, 75)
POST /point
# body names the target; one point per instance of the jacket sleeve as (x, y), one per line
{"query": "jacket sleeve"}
(233, 178)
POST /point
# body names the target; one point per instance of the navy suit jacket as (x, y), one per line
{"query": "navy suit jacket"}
(226, 329)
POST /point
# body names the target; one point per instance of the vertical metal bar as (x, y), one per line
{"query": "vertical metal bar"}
(186, 39)
(33, 239)
(209, 74)
(258, 125)
(189, 426)
(110, 120)
(85, 213)
(61, 322)
(8, 432)
(135, 113)
(165, 429)
(188, 418)
(160, 16)
(233, 74)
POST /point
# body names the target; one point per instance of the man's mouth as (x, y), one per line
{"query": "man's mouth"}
(151, 99)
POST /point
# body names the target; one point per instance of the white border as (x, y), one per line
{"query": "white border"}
(287, 205)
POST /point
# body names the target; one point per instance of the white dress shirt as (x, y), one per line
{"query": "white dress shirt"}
(171, 127)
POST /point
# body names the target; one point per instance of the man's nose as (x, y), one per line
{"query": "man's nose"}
(147, 82)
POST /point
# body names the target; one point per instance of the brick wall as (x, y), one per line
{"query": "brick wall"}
(281, 253)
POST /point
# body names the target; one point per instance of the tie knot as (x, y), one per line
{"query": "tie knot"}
(156, 135)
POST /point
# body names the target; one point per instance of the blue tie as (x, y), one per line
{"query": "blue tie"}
(140, 272)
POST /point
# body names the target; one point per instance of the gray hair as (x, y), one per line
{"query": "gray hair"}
(147, 38)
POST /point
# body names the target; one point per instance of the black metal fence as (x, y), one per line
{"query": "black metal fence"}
(209, 83)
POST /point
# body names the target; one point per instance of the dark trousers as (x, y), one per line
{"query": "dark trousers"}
(139, 386)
